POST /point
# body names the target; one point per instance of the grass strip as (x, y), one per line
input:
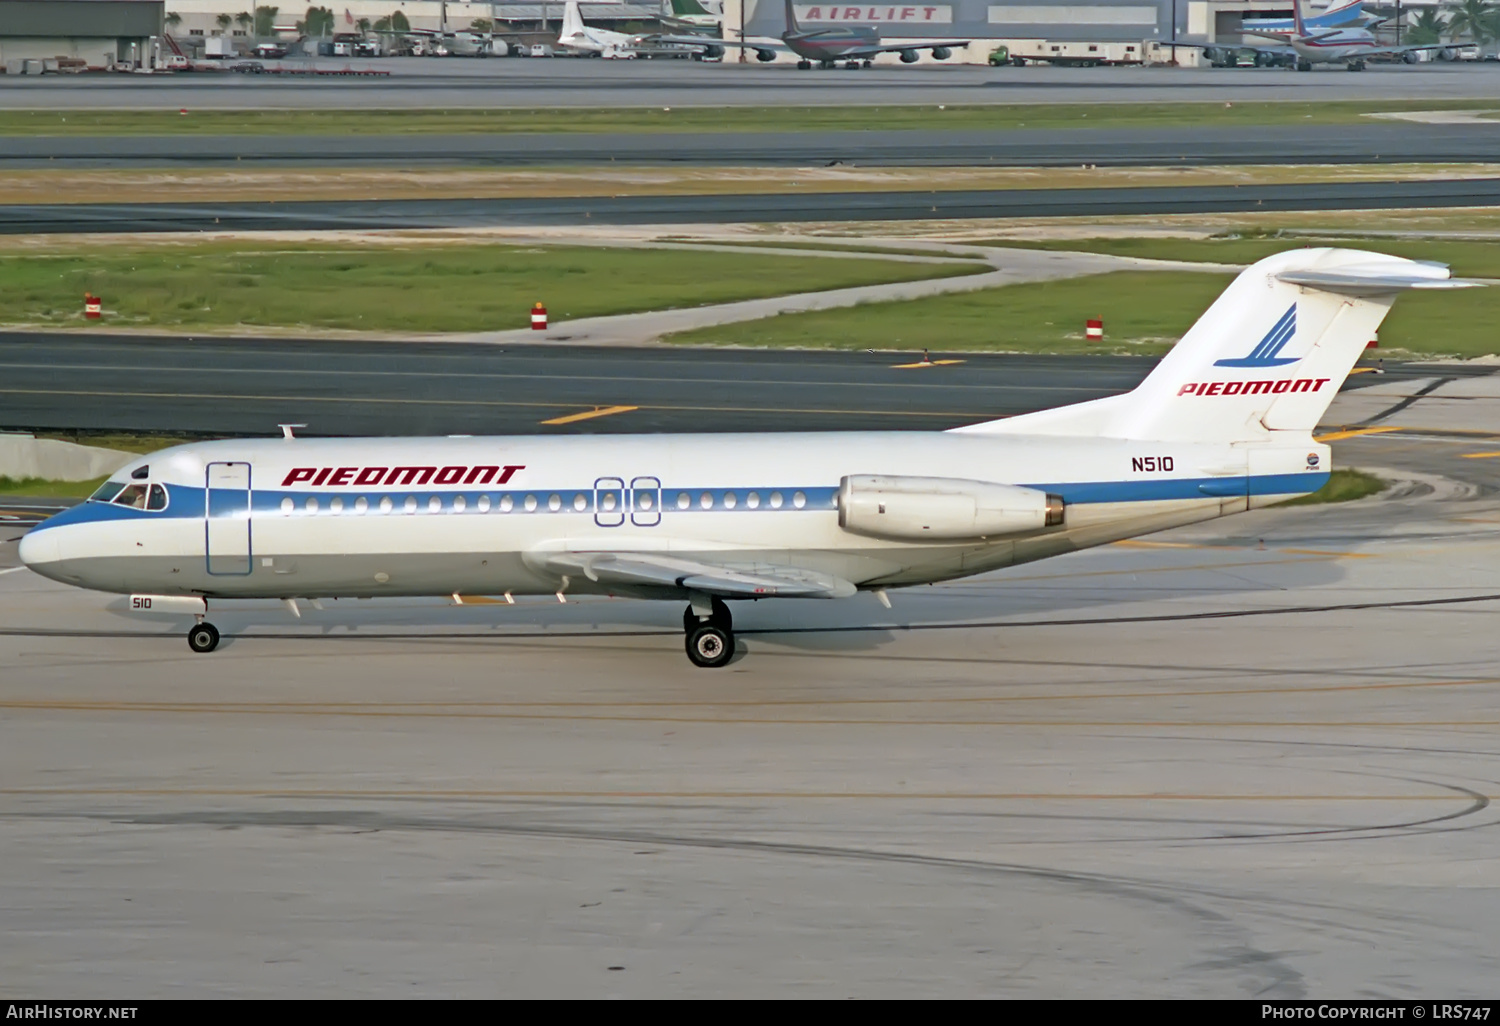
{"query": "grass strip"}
(41, 487)
(554, 120)
(1144, 313)
(432, 289)
(1344, 485)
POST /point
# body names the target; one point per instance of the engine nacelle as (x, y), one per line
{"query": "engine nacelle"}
(941, 53)
(942, 508)
(713, 51)
(765, 56)
(909, 57)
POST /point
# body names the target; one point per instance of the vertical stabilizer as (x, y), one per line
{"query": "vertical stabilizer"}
(791, 18)
(1297, 17)
(1268, 356)
(572, 20)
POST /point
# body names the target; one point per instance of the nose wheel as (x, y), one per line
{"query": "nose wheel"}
(204, 637)
(710, 641)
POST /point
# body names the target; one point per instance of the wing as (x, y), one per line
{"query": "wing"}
(925, 44)
(727, 579)
(1227, 46)
(1429, 46)
(710, 41)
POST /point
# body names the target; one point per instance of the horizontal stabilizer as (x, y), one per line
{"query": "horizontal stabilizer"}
(1377, 279)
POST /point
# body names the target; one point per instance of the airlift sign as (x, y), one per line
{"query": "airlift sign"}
(881, 13)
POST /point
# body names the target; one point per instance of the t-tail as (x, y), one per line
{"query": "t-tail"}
(1263, 363)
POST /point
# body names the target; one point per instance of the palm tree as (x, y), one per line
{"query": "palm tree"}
(1426, 29)
(1475, 19)
(173, 19)
(224, 21)
(363, 25)
(265, 19)
(244, 20)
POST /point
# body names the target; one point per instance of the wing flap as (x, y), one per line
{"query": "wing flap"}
(650, 569)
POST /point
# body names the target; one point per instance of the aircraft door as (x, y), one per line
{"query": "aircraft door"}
(645, 506)
(609, 501)
(226, 525)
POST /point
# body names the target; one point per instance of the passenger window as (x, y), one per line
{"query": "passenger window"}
(133, 496)
(158, 498)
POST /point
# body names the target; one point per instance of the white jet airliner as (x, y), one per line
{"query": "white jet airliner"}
(1223, 424)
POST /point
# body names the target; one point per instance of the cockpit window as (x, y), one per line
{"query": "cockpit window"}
(108, 490)
(140, 473)
(157, 499)
(133, 496)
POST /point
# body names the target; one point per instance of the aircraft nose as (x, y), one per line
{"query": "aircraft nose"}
(38, 548)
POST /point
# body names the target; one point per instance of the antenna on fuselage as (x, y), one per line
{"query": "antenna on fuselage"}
(286, 430)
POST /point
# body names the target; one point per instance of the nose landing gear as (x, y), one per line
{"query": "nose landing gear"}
(710, 639)
(204, 637)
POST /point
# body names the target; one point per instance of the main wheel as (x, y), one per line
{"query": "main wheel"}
(803, 65)
(203, 638)
(710, 646)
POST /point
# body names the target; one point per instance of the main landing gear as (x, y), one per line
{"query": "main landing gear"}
(710, 639)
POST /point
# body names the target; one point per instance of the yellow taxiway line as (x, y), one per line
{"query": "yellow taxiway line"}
(1354, 433)
(1479, 455)
(925, 363)
(605, 411)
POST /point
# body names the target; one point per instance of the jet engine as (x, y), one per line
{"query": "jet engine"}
(713, 51)
(942, 508)
(765, 56)
(908, 56)
(941, 53)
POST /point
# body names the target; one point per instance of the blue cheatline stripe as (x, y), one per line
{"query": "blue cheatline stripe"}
(187, 503)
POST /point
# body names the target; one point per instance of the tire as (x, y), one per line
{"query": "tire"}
(710, 647)
(203, 638)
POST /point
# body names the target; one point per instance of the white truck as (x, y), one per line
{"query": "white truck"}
(218, 48)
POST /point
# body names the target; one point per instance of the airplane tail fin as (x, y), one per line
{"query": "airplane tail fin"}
(1268, 356)
(791, 18)
(1297, 17)
(572, 19)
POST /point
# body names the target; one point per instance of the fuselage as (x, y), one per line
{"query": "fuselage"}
(827, 44)
(435, 516)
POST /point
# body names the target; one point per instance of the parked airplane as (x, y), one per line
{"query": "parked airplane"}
(855, 45)
(1340, 12)
(582, 38)
(1223, 424)
(431, 42)
(1350, 46)
(687, 15)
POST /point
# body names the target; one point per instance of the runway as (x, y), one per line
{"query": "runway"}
(1367, 143)
(1061, 780)
(730, 209)
(458, 83)
(248, 386)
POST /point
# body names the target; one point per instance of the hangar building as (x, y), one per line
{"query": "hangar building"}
(1119, 31)
(100, 33)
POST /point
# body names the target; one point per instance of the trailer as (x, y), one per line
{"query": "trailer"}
(1077, 55)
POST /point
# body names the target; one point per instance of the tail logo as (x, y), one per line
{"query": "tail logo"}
(1265, 352)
